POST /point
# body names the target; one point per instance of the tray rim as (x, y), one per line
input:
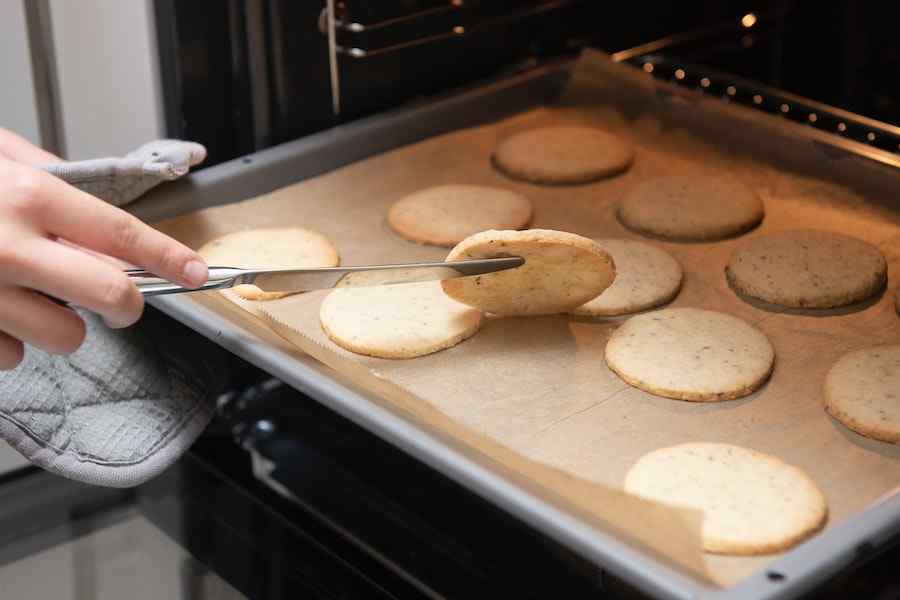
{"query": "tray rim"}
(803, 567)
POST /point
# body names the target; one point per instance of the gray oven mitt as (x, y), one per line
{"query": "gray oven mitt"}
(127, 404)
(122, 180)
(118, 411)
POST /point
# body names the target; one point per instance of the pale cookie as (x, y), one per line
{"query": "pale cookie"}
(690, 354)
(690, 208)
(561, 271)
(566, 154)
(752, 503)
(447, 214)
(646, 277)
(807, 268)
(862, 391)
(269, 248)
(396, 321)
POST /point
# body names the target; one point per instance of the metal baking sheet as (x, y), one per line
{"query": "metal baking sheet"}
(645, 573)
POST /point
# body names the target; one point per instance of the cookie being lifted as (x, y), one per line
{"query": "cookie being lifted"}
(561, 271)
(269, 248)
(862, 391)
(447, 214)
(646, 277)
(691, 208)
(691, 354)
(807, 268)
(752, 503)
(565, 154)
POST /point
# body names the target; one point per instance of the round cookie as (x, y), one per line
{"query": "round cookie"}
(862, 391)
(690, 354)
(396, 321)
(687, 208)
(269, 248)
(752, 503)
(561, 271)
(447, 214)
(646, 277)
(807, 268)
(565, 154)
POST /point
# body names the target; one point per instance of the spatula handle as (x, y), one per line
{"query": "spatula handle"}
(149, 284)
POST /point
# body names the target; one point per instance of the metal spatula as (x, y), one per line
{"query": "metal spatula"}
(302, 280)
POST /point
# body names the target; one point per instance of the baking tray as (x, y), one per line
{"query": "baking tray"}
(789, 576)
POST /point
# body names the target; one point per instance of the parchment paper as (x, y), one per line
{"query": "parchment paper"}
(534, 395)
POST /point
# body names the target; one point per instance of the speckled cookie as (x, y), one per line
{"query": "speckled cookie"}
(690, 354)
(862, 391)
(688, 208)
(807, 268)
(646, 277)
(396, 321)
(561, 271)
(268, 248)
(566, 154)
(447, 214)
(752, 503)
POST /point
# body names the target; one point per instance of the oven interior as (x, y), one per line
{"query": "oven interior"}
(283, 496)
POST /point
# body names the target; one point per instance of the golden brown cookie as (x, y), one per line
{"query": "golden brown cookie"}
(807, 268)
(752, 503)
(396, 321)
(691, 354)
(686, 208)
(565, 154)
(269, 248)
(862, 391)
(561, 271)
(447, 214)
(646, 277)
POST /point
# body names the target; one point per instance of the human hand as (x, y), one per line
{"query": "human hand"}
(58, 241)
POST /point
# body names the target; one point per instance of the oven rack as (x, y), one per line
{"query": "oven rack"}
(781, 104)
(347, 27)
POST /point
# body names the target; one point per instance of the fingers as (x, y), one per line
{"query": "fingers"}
(11, 352)
(116, 262)
(77, 277)
(17, 148)
(39, 322)
(80, 218)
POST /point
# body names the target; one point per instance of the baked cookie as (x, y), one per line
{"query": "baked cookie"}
(646, 277)
(690, 354)
(269, 248)
(396, 321)
(752, 503)
(561, 271)
(687, 208)
(807, 268)
(862, 391)
(565, 154)
(447, 214)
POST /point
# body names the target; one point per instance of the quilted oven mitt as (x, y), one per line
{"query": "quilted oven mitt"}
(119, 410)
(129, 402)
(120, 181)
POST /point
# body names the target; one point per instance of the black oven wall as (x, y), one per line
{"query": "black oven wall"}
(242, 75)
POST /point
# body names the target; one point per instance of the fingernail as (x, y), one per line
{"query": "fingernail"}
(195, 273)
(115, 323)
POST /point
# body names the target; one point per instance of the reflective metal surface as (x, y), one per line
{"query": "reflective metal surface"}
(302, 280)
